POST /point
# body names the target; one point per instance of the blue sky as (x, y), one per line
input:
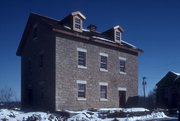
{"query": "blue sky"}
(152, 25)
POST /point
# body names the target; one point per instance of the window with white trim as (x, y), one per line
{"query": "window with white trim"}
(122, 65)
(81, 90)
(77, 24)
(103, 91)
(118, 35)
(81, 58)
(103, 61)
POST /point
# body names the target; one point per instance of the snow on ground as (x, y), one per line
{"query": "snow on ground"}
(12, 115)
(85, 115)
(124, 109)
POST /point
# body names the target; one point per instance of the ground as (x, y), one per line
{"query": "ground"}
(105, 114)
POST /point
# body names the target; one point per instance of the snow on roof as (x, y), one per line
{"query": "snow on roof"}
(129, 44)
(79, 13)
(178, 74)
(67, 27)
(134, 47)
(86, 30)
(95, 37)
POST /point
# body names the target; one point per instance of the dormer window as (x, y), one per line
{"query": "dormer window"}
(118, 35)
(77, 23)
(78, 19)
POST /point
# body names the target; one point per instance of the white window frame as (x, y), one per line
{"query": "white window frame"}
(81, 50)
(123, 59)
(74, 24)
(105, 55)
(103, 84)
(115, 35)
(81, 82)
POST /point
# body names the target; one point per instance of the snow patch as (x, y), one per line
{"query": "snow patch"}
(133, 46)
(67, 27)
(86, 30)
(95, 37)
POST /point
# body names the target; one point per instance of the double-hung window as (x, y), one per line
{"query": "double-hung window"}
(118, 35)
(81, 58)
(122, 65)
(81, 89)
(77, 23)
(103, 61)
(103, 91)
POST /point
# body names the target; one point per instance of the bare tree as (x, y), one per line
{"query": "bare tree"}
(6, 95)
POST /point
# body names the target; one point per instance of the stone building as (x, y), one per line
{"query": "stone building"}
(64, 66)
(168, 91)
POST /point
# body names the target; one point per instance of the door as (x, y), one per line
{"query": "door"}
(122, 99)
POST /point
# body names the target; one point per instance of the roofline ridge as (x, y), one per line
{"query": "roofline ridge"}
(47, 17)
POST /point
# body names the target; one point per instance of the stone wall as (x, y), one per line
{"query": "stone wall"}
(67, 72)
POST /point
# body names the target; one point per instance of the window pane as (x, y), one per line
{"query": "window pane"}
(81, 58)
(103, 62)
(82, 90)
(78, 26)
(77, 20)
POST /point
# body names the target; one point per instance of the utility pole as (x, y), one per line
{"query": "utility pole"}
(144, 83)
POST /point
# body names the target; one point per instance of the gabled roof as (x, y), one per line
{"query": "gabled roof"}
(169, 79)
(119, 28)
(60, 27)
(79, 14)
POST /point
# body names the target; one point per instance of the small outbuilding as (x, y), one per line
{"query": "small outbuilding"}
(168, 90)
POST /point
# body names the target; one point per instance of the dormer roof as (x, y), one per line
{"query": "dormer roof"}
(119, 28)
(65, 27)
(78, 13)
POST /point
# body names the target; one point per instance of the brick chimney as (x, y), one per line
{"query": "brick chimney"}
(92, 28)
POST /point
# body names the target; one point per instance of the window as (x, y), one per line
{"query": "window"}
(103, 92)
(122, 65)
(118, 35)
(81, 58)
(103, 62)
(35, 32)
(81, 90)
(41, 63)
(77, 23)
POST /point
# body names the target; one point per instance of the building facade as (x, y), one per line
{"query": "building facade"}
(64, 66)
